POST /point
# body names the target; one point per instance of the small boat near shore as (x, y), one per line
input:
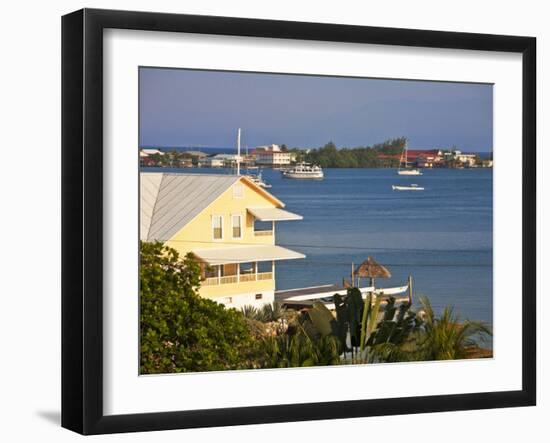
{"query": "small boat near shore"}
(258, 180)
(305, 297)
(304, 171)
(404, 165)
(412, 187)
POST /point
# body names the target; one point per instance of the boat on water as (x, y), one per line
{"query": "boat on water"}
(404, 165)
(304, 171)
(412, 187)
(306, 297)
(258, 180)
(255, 178)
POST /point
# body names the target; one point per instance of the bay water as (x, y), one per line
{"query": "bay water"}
(442, 236)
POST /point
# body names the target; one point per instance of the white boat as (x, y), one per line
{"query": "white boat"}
(409, 172)
(304, 171)
(325, 294)
(412, 187)
(255, 178)
(258, 180)
(404, 165)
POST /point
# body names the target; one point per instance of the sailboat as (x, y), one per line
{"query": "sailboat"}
(255, 178)
(404, 165)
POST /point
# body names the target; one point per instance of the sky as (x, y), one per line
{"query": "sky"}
(180, 107)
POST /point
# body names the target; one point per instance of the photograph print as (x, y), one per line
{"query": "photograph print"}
(293, 221)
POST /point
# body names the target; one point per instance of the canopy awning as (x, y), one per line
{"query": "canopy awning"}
(273, 214)
(245, 254)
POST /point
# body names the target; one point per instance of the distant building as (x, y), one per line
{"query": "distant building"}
(152, 151)
(185, 163)
(146, 159)
(212, 162)
(422, 158)
(467, 160)
(272, 147)
(196, 154)
(272, 155)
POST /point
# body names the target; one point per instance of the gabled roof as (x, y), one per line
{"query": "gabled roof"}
(169, 201)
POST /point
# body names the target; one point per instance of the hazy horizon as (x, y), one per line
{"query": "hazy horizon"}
(184, 108)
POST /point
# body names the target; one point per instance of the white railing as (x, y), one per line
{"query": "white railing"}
(214, 281)
(266, 233)
(210, 281)
(265, 275)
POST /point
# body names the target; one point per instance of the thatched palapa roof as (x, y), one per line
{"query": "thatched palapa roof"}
(369, 268)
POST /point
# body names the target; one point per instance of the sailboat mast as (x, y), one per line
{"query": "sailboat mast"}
(239, 151)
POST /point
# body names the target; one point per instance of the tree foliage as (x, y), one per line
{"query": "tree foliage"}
(446, 337)
(179, 330)
(329, 156)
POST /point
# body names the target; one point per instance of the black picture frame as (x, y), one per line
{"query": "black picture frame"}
(82, 239)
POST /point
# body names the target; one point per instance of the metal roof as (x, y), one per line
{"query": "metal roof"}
(245, 254)
(168, 201)
(273, 214)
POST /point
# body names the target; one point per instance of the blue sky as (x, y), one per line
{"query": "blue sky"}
(181, 107)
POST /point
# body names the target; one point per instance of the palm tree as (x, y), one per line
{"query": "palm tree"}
(250, 312)
(271, 312)
(445, 337)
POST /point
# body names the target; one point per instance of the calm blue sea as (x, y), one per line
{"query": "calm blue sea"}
(443, 236)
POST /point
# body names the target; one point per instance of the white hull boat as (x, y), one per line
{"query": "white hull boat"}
(404, 165)
(407, 188)
(324, 294)
(409, 172)
(258, 180)
(304, 171)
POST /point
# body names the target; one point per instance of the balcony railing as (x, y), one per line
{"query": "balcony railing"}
(265, 233)
(214, 281)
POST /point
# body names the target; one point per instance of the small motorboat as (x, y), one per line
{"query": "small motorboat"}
(412, 187)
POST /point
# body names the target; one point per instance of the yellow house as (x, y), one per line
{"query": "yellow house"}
(227, 221)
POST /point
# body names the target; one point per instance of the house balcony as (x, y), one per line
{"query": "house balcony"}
(264, 233)
(237, 278)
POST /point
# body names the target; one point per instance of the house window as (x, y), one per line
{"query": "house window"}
(211, 271)
(263, 226)
(217, 227)
(238, 191)
(259, 296)
(236, 223)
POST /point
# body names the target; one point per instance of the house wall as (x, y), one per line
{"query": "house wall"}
(198, 235)
(247, 290)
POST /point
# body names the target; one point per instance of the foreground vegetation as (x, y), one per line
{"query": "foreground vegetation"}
(182, 332)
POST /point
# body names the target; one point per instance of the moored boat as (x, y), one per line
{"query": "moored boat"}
(304, 171)
(412, 187)
(257, 179)
(404, 165)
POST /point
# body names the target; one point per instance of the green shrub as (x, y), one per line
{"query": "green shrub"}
(180, 331)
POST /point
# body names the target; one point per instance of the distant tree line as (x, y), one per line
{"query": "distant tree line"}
(329, 156)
